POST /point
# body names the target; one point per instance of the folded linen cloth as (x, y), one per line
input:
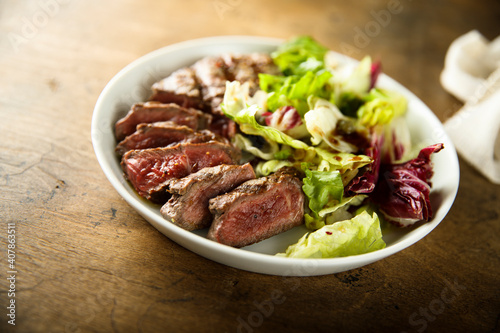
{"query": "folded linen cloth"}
(472, 74)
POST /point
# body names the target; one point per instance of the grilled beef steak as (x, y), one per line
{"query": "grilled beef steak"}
(246, 68)
(223, 126)
(188, 206)
(211, 74)
(202, 85)
(151, 112)
(150, 170)
(258, 209)
(181, 87)
(163, 134)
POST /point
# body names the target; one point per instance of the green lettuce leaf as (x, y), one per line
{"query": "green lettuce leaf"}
(361, 234)
(265, 168)
(266, 151)
(340, 209)
(294, 90)
(299, 55)
(322, 187)
(380, 107)
(333, 212)
(351, 83)
(321, 120)
(359, 80)
(340, 161)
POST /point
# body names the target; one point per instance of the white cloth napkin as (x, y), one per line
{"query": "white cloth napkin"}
(472, 74)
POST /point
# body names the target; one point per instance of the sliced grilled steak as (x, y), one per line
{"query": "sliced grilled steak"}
(181, 87)
(202, 86)
(150, 170)
(211, 74)
(223, 126)
(258, 209)
(246, 68)
(163, 134)
(188, 206)
(151, 112)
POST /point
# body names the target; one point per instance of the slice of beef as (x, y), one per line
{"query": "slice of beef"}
(223, 126)
(246, 68)
(213, 72)
(212, 76)
(181, 87)
(202, 85)
(258, 209)
(150, 170)
(163, 134)
(151, 112)
(188, 206)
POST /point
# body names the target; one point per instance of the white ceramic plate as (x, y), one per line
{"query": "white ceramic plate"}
(133, 83)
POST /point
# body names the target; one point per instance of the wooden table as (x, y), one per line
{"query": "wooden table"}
(87, 262)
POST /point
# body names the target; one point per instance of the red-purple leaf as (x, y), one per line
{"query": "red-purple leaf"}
(402, 191)
(365, 183)
(376, 69)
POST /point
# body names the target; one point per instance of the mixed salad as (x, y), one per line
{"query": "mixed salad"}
(326, 116)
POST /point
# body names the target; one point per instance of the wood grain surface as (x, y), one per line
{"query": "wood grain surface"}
(87, 262)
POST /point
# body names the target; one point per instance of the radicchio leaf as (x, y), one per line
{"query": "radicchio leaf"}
(287, 120)
(402, 192)
(284, 118)
(365, 183)
(375, 71)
